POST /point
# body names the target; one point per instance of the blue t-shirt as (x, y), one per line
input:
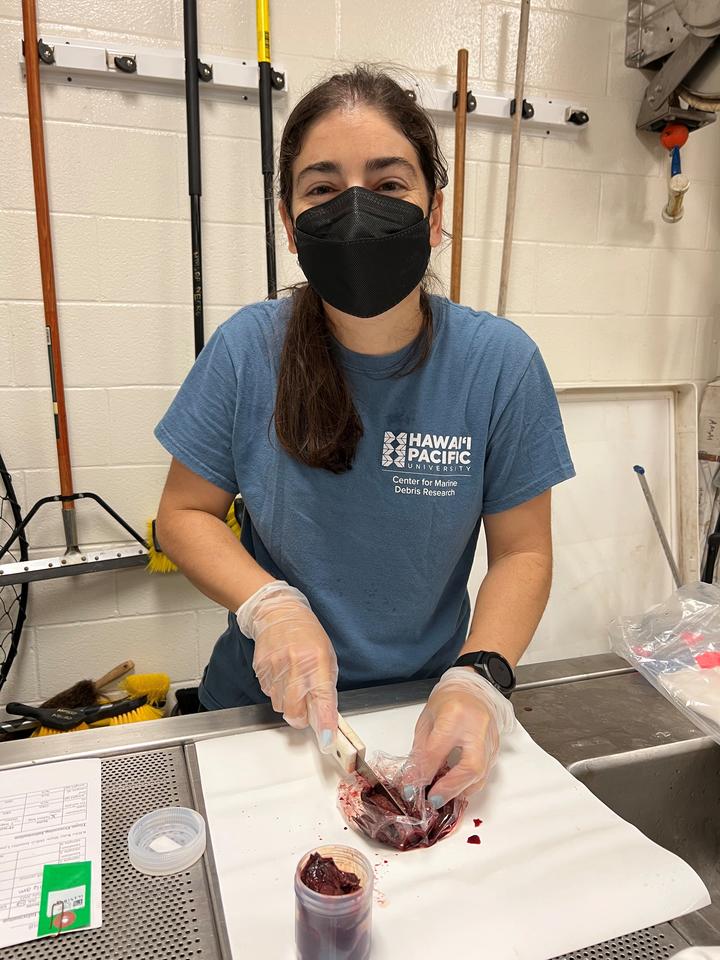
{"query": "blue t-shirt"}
(382, 552)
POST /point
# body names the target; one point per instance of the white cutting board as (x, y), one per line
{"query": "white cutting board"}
(556, 870)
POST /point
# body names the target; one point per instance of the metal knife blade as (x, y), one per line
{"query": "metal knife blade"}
(350, 753)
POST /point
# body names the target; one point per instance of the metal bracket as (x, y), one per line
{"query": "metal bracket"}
(46, 52)
(152, 70)
(74, 561)
(578, 117)
(542, 117)
(660, 105)
(528, 110)
(72, 565)
(654, 30)
(471, 103)
(126, 64)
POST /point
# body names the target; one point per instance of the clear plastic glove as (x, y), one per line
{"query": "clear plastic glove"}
(464, 718)
(294, 660)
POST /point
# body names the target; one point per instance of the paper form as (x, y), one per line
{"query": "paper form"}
(49, 813)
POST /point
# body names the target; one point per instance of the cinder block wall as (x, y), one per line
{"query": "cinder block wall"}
(609, 291)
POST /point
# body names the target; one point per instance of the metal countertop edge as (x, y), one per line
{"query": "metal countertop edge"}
(181, 730)
(211, 873)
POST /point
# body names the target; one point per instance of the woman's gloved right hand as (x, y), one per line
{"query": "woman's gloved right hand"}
(294, 659)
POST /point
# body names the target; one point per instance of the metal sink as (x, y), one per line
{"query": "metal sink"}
(672, 794)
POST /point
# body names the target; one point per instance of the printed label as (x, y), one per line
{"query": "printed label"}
(427, 452)
(73, 899)
(415, 459)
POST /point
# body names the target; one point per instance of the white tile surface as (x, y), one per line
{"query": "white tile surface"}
(22, 684)
(162, 643)
(663, 347)
(556, 205)
(433, 32)
(134, 413)
(141, 592)
(607, 290)
(684, 283)
(631, 208)
(564, 52)
(575, 279)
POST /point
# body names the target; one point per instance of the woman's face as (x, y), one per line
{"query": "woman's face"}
(358, 147)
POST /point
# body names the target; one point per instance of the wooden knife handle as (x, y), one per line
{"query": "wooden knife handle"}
(119, 671)
(349, 746)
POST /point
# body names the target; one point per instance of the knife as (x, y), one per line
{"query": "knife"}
(350, 754)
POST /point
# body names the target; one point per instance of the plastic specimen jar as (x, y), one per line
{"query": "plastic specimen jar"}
(338, 927)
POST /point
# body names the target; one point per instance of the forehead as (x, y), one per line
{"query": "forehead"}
(350, 136)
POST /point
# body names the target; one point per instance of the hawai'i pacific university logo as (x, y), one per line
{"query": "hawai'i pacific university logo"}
(394, 449)
(427, 452)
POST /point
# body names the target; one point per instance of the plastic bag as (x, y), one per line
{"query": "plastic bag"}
(676, 646)
(373, 815)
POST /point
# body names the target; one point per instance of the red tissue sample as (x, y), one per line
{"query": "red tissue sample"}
(323, 875)
(477, 822)
(473, 839)
(420, 825)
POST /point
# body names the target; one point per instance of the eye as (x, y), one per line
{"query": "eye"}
(320, 190)
(391, 186)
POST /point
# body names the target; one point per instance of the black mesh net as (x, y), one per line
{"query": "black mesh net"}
(13, 597)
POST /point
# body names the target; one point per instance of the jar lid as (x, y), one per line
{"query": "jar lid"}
(167, 840)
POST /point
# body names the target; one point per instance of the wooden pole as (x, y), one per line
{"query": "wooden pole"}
(47, 270)
(514, 157)
(459, 178)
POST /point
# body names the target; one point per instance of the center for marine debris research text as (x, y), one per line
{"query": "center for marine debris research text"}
(427, 455)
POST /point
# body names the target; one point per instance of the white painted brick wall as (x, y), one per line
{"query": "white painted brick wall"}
(594, 265)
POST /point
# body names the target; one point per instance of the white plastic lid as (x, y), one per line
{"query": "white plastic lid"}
(165, 841)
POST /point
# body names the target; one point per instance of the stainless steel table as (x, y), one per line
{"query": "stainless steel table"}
(594, 714)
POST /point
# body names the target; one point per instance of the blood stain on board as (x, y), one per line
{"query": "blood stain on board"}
(477, 822)
(473, 839)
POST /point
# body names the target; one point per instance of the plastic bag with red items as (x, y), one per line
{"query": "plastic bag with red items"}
(676, 646)
(372, 814)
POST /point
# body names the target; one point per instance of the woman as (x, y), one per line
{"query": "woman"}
(371, 428)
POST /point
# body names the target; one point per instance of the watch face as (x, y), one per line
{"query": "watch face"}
(500, 672)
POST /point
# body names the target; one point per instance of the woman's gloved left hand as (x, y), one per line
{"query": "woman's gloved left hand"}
(465, 713)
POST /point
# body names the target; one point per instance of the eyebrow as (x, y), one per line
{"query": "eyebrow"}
(372, 166)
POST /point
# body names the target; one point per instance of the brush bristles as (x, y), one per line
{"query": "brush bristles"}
(231, 520)
(48, 731)
(154, 686)
(82, 694)
(157, 561)
(136, 716)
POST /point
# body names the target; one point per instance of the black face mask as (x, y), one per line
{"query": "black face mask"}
(363, 252)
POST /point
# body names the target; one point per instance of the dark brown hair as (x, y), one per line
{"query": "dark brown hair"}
(315, 417)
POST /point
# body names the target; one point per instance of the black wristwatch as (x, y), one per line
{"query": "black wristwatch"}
(493, 666)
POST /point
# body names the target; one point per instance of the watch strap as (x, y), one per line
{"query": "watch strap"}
(480, 661)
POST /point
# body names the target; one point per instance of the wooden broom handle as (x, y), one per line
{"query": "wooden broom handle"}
(119, 671)
(459, 178)
(514, 157)
(47, 271)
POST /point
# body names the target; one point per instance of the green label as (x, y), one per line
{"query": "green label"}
(65, 897)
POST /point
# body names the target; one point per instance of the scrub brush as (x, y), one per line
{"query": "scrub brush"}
(84, 693)
(158, 562)
(153, 686)
(65, 719)
(139, 714)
